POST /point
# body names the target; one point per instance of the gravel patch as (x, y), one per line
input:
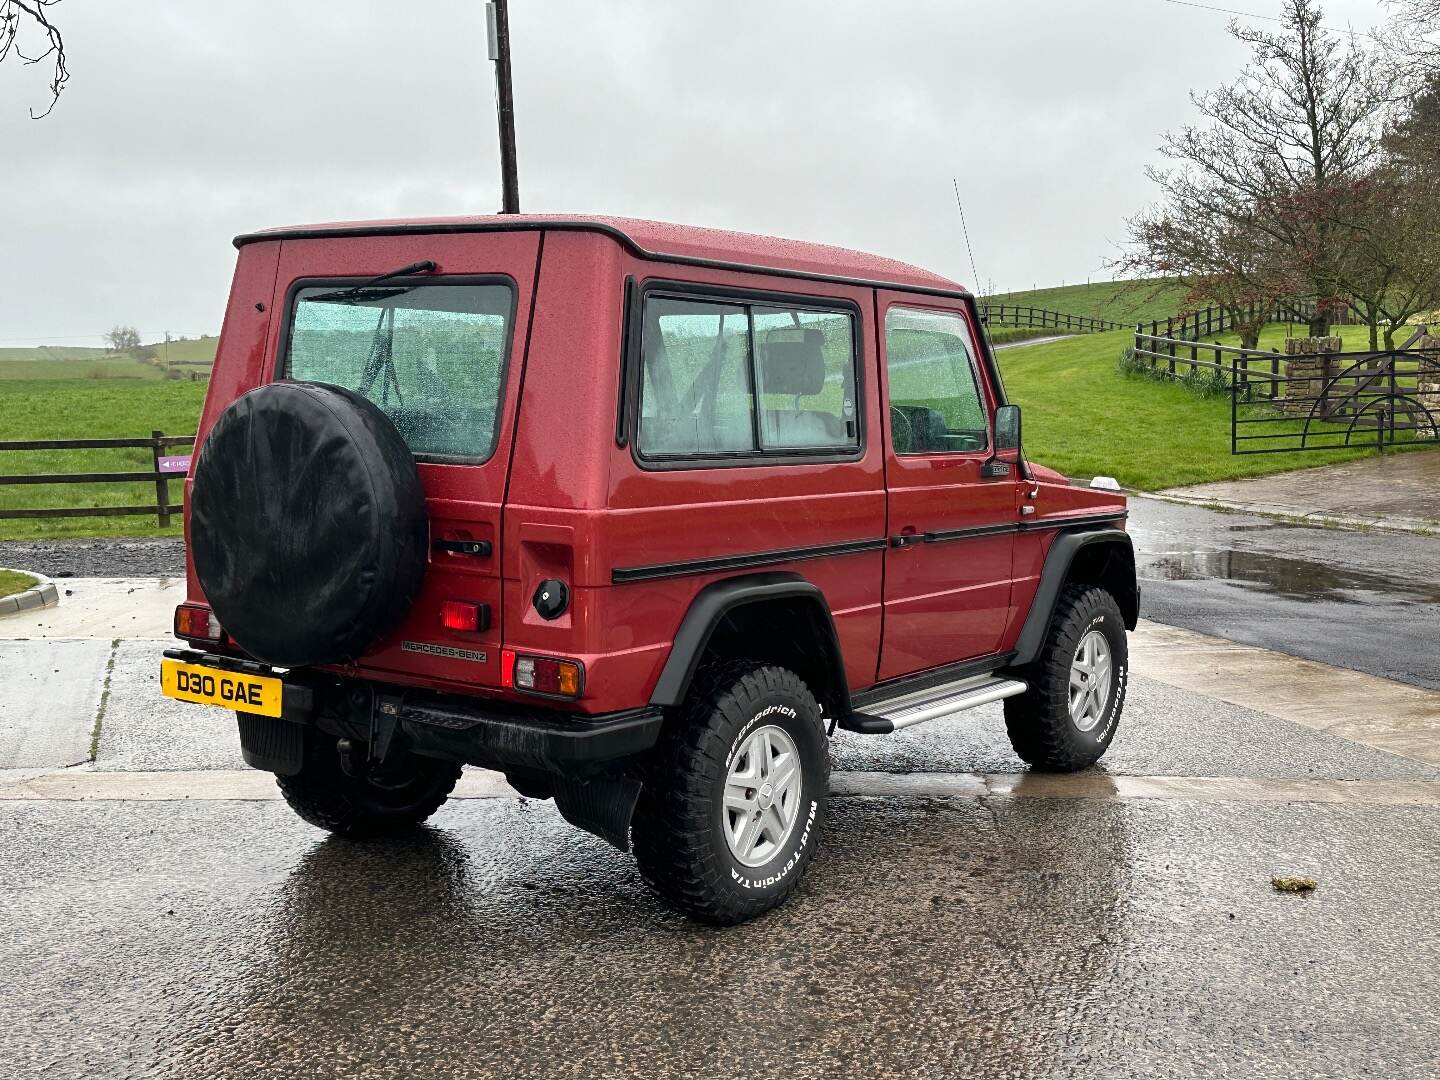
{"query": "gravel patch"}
(162, 557)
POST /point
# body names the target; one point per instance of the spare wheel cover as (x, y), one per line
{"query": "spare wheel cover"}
(308, 526)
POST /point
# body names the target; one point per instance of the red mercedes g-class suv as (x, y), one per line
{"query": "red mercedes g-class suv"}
(636, 514)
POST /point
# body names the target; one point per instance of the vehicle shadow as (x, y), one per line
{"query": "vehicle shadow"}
(512, 947)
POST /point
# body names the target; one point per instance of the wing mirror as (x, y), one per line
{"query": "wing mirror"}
(1007, 428)
(1007, 443)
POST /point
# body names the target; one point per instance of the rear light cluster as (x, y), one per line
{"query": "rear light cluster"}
(197, 623)
(541, 674)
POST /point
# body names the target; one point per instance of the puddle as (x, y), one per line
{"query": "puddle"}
(1297, 579)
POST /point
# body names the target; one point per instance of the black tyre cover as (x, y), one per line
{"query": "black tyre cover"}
(308, 524)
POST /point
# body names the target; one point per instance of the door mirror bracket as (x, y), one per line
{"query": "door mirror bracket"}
(1007, 443)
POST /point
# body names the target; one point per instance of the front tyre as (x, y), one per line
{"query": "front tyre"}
(734, 795)
(1067, 718)
(390, 798)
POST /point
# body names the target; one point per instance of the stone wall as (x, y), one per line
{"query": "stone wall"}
(1428, 387)
(1307, 368)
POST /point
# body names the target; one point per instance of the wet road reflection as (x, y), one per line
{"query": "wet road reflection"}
(994, 937)
(496, 955)
(1365, 600)
(1299, 579)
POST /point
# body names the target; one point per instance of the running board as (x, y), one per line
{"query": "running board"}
(935, 702)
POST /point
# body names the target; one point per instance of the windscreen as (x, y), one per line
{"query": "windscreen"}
(430, 355)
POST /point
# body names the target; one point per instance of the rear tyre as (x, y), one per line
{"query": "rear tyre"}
(399, 795)
(734, 797)
(1067, 718)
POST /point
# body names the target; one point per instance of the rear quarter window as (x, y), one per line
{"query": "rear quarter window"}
(431, 356)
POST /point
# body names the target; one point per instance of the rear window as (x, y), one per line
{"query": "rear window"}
(430, 355)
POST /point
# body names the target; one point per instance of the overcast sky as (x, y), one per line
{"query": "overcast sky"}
(838, 121)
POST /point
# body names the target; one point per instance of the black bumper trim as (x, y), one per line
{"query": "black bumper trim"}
(473, 730)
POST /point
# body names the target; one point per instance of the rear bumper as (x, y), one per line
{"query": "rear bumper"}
(472, 730)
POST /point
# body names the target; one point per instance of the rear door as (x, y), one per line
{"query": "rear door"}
(948, 568)
(441, 353)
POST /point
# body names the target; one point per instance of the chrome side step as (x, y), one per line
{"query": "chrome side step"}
(935, 702)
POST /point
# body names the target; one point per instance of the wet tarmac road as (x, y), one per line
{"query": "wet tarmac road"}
(1365, 600)
(994, 938)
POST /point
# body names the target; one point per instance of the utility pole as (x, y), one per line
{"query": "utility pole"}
(497, 20)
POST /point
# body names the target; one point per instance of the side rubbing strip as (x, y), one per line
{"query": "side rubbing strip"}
(622, 575)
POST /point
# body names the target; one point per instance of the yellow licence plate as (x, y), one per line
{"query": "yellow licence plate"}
(257, 694)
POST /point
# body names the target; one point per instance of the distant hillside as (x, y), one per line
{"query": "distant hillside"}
(1118, 301)
(59, 362)
(51, 352)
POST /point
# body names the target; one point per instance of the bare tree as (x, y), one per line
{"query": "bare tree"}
(1278, 155)
(15, 14)
(123, 338)
(1196, 238)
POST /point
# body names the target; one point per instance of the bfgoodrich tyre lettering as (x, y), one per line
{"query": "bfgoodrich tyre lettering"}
(698, 783)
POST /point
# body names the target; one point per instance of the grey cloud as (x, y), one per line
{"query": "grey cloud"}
(839, 121)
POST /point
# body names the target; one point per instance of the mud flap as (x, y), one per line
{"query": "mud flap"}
(602, 805)
(271, 744)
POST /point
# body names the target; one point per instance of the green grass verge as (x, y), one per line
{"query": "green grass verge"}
(84, 409)
(1356, 338)
(1119, 301)
(1085, 419)
(12, 582)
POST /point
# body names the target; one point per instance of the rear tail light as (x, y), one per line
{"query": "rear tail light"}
(542, 674)
(196, 623)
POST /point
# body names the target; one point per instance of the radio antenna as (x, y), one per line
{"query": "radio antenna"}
(974, 274)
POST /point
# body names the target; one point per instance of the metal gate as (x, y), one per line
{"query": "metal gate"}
(1333, 401)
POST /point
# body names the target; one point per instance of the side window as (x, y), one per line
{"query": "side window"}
(731, 379)
(696, 398)
(806, 377)
(935, 402)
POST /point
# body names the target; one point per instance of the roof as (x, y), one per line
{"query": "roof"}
(660, 240)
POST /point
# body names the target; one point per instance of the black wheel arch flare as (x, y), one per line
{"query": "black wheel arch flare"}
(720, 598)
(1110, 553)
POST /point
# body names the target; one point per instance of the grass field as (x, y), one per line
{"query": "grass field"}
(12, 582)
(85, 408)
(1119, 301)
(1085, 419)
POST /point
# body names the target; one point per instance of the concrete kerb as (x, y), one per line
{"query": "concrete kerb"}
(42, 594)
(1318, 518)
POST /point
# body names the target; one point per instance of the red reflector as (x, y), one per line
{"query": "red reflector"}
(507, 667)
(196, 622)
(458, 615)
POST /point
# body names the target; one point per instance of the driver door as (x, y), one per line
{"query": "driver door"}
(948, 569)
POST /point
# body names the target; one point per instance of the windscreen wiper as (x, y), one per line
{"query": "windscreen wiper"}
(366, 291)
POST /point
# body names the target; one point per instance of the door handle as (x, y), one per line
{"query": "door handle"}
(479, 548)
(907, 537)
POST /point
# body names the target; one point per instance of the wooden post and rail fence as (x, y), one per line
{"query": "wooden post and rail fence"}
(165, 468)
(1044, 319)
